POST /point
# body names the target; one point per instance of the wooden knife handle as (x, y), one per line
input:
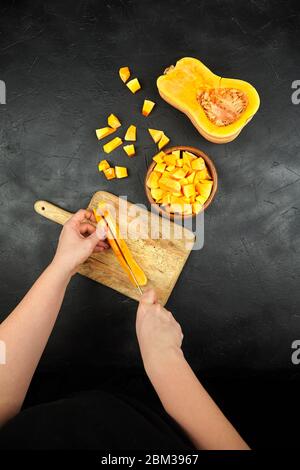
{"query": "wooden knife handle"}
(51, 212)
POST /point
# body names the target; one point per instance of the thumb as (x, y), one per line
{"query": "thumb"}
(93, 239)
(149, 297)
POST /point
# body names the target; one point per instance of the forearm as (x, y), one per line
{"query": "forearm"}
(25, 333)
(188, 403)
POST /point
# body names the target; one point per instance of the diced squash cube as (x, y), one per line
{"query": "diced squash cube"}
(179, 174)
(202, 175)
(147, 107)
(187, 170)
(159, 157)
(166, 198)
(201, 199)
(170, 168)
(191, 177)
(176, 153)
(109, 173)
(189, 155)
(188, 209)
(160, 167)
(170, 159)
(113, 121)
(186, 160)
(153, 179)
(121, 171)
(131, 133)
(188, 190)
(133, 85)
(197, 207)
(169, 185)
(157, 193)
(104, 132)
(164, 140)
(179, 162)
(198, 164)
(176, 199)
(204, 188)
(155, 134)
(129, 149)
(124, 73)
(103, 165)
(112, 145)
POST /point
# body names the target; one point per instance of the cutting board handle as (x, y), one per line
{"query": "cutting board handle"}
(52, 212)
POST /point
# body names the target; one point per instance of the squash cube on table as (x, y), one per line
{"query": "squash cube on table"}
(124, 74)
(155, 134)
(103, 165)
(121, 171)
(104, 132)
(147, 107)
(133, 85)
(131, 133)
(129, 149)
(109, 173)
(113, 121)
(164, 140)
(112, 145)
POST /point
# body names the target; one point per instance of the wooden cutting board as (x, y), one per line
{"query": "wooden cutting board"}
(161, 257)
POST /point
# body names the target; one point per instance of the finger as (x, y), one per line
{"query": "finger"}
(98, 249)
(93, 240)
(86, 228)
(102, 244)
(101, 231)
(149, 297)
(80, 216)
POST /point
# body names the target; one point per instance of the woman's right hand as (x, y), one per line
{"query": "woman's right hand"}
(159, 335)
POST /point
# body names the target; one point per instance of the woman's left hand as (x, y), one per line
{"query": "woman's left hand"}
(78, 240)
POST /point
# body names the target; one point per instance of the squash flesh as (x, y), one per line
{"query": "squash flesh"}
(178, 187)
(115, 232)
(181, 85)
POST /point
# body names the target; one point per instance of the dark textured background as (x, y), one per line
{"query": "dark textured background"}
(237, 299)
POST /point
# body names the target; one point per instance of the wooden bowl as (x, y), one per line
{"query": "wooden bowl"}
(211, 168)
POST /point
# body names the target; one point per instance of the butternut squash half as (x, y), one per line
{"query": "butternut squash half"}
(218, 107)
